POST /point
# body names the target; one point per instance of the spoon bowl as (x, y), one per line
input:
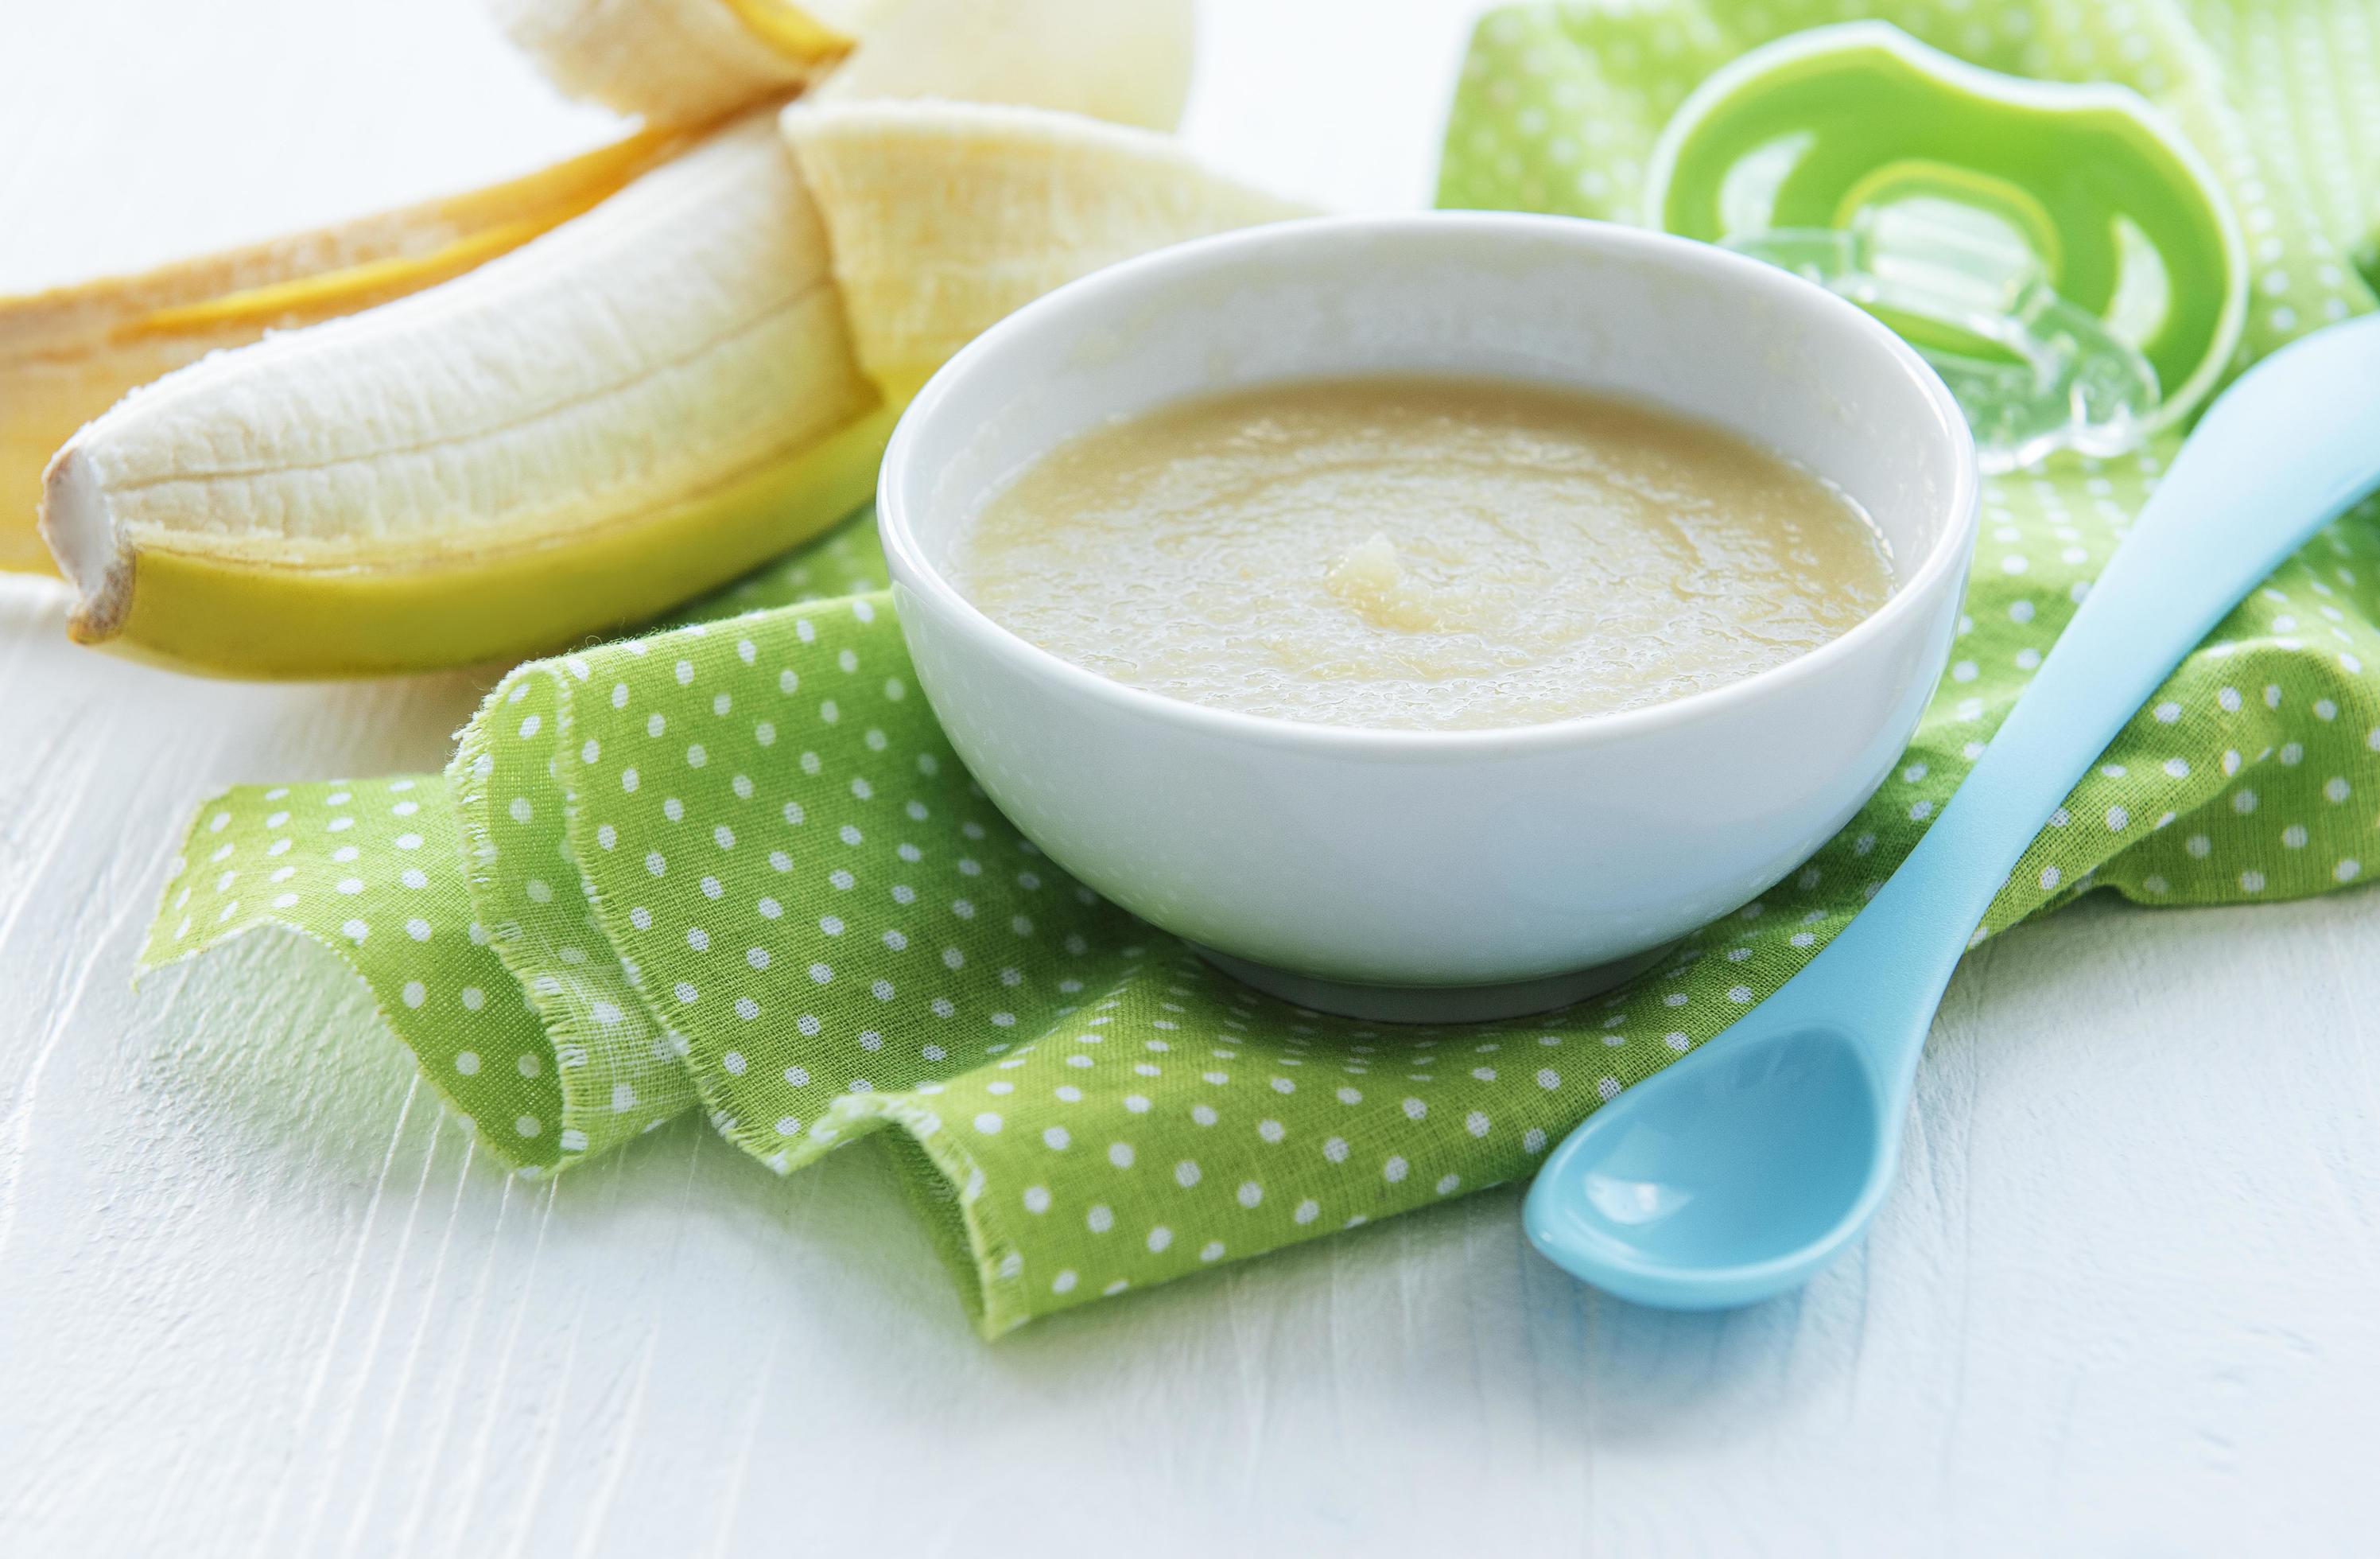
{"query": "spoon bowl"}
(1746, 1171)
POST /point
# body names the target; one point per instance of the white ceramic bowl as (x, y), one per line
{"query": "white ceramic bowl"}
(1423, 875)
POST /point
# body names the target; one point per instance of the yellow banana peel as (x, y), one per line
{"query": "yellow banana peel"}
(231, 616)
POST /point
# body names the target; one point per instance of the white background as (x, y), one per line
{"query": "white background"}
(257, 1294)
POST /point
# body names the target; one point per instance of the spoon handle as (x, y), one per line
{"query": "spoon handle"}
(2288, 447)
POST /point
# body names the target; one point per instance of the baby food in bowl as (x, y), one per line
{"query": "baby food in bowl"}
(1420, 552)
(1431, 618)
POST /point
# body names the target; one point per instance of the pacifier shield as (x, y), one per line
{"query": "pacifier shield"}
(2058, 252)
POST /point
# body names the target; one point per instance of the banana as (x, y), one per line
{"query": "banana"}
(67, 355)
(387, 490)
(943, 222)
(680, 60)
(638, 403)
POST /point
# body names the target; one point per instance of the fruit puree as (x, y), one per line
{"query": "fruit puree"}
(1420, 552)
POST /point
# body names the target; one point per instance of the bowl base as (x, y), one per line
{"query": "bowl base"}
(1434, 1003)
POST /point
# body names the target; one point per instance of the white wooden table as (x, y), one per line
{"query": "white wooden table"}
(257, 1294)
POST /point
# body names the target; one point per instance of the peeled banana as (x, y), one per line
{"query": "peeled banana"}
(642, 401)
(67, 355)
(610, 410)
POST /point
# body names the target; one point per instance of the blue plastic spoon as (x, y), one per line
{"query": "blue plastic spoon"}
(1739, 1170)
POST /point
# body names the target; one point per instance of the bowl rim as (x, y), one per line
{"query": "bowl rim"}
(909, 565)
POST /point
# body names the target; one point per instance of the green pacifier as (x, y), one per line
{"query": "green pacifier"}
(2058, 252)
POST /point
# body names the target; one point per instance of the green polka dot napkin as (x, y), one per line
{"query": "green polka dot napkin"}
(735, 864)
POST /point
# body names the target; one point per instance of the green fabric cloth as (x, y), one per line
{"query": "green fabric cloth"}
(736, 864)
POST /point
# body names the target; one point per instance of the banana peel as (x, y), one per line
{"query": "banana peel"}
(639, 402)
(222, 614)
